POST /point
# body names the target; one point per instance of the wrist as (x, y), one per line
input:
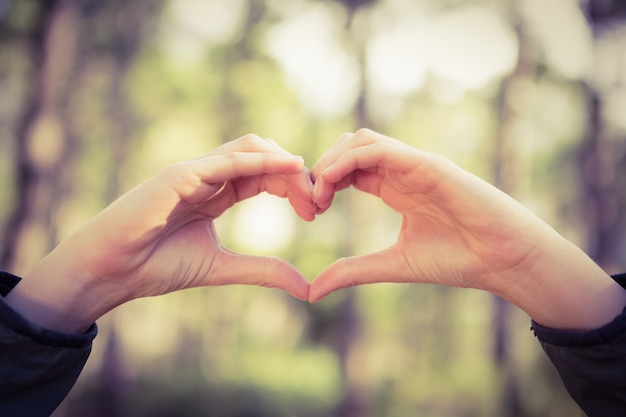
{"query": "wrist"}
(563, 289)
(55, 296)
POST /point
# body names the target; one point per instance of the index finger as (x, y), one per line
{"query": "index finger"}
(295, 187)
(360, 160)
(195, 180)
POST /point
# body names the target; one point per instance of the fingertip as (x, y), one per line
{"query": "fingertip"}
(298, 160)
(314, 298)
(300, 295)
(302, 290)
(321, 209)
(323, 284)
(327, 174)
(322, 205)
(308, 291)
(307, 217)
(322, 195)
(309, 179)
(288, 278)
(315, 190)
(296, 287)
(306, 209)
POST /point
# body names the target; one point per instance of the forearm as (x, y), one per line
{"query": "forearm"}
(58, 295)
(563, 288)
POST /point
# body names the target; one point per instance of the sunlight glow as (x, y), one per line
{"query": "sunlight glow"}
(308, 47)
(195, 25)
(264, 225)
(564, 34)
(467, 47)
(397, 63)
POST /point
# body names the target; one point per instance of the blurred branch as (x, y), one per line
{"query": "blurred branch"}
(600, 157)
(506, 166)
(602, 12)
(40, 134)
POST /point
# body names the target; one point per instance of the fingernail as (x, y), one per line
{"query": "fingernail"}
(297, 158)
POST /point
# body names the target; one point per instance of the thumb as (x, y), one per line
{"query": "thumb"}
(385, 266)
(265, 271)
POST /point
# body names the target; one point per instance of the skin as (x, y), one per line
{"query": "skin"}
(459, 231)
(160, 237)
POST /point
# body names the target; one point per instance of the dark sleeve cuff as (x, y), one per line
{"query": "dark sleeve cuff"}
(13, 320)
(601, 335)
(7, 282)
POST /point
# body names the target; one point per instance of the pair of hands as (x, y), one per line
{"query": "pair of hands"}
(456, 230)
(160, 237)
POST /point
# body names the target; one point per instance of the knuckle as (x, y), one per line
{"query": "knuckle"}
(346, 136)
(364, 136)
(363, 132)
(250, 139)
(264, 279)
(265, 284)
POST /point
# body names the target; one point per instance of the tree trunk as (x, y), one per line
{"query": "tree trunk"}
(42, 141)
(506, 167)
(601, 156)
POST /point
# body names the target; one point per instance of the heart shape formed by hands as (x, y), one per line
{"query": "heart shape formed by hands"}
(456, 228)
(160, 237)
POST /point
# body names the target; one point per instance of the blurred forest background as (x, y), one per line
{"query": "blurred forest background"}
(99, 95)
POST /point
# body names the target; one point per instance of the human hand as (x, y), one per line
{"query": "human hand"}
(457, 230)
(159, 238)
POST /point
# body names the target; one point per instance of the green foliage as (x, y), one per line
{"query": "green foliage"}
(137, 100)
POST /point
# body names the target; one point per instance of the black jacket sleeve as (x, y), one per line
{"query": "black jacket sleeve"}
(38, 366)
(591, 364)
